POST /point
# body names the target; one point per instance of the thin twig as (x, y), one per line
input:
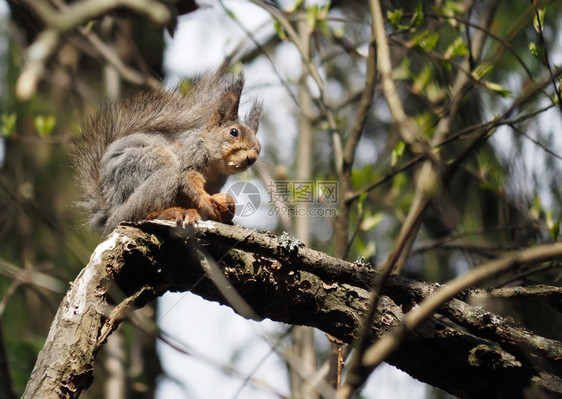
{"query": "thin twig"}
(539, 29)
(538, 143)
(402, 168)
(355, 374)
(257, 44)
(385, 345)
(428, 181)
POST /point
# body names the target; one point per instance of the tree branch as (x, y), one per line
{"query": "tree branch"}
(281, 279)
(42, 49)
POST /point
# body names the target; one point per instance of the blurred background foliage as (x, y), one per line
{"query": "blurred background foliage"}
(504, 196)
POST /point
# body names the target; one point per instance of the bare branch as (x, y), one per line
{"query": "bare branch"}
(76, 14)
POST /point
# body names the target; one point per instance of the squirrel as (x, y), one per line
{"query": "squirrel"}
(161, 154)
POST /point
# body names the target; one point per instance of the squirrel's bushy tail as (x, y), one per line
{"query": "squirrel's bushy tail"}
(151, 111)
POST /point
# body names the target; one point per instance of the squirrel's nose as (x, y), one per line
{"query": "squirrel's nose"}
(251, 158)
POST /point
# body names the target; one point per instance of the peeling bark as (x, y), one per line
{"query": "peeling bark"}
(464, 350)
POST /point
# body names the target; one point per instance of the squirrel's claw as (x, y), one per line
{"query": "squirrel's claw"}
(179, 215)
(219, 207)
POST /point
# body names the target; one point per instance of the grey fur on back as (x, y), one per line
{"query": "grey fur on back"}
(163, 113)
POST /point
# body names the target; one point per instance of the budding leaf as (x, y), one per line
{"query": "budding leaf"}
(371, 221)
(8, 124)
(415, 22)
(538, 51)
(426, 40)
(538, 19)
(366, 251)
(397, 153)
(555, 230)
(279, 30)
(456, 48)
(482, 70)
(394, 17)
(497, 88)
(311, 17)
(417, 18)
(44, 124)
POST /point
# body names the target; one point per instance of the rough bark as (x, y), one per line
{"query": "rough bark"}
(464, 350)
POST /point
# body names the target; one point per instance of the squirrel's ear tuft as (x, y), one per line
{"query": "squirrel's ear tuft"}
(227, 107)
(253, 117)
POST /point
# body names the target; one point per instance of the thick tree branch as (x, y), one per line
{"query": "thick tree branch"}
(281, 279)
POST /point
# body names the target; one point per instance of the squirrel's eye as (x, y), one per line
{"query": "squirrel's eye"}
(234, 132)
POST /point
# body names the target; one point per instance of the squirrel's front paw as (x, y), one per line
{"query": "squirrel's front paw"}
(219, 207)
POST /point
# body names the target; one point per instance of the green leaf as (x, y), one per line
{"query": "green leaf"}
(402, 71)
(395, 16)
(8, 124)
(322, 20)
(44, 124)
(399, 182)
(366, 251)
(536, 207)
(361, 177)
(237, 68)
(538, 19)
(555, 230)
(423, 78)
(489, 172)
(416, 21)
(311, 17)
(482, 70)
(371, 221)
(497, 88)
(185, 85)
(426, 122)
(279, 29)
(538, 51)
(361, 202)
(534, 50)
(425, 40)
(76, 129)
(452, 8)
(435, 93)
(418, 17)
(397, 153)
(456, 48)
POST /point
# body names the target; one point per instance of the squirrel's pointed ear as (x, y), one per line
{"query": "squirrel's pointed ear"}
(227, 109)
(253, 117)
